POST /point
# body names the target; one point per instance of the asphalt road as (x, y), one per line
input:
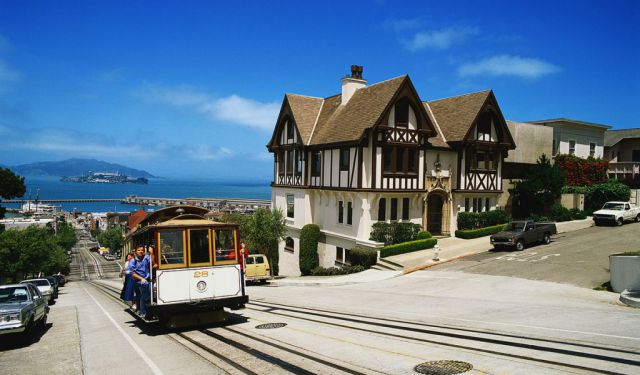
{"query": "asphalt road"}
(579, 258)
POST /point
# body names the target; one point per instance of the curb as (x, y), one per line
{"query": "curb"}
(435, 263)
(630, 298)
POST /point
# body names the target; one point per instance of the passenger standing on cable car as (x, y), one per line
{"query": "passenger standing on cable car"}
(128, 288)
(140, 267)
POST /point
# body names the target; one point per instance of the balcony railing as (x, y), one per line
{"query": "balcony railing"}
(624, 169)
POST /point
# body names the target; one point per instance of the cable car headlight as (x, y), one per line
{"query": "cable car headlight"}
(202, 286)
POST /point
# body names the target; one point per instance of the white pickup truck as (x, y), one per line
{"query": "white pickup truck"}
(616, 213)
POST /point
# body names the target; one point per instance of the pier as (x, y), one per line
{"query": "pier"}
(47, 201)
(213, 204)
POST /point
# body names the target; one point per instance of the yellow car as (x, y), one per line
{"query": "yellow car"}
(257, 268)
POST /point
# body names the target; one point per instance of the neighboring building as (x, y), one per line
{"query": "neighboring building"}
(117, 219)
(573, 137)
(379, 153)
(24, 223)
(622, 149)
(533, 141)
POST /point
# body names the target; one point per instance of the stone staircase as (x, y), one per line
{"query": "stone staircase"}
(387, 265)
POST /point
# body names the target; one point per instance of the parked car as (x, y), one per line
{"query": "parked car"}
(44, 286)
(22, 309)
(109, 257)
(61, 279)
(54, 284)
(519, 234)
(616, 213)
(257, 268)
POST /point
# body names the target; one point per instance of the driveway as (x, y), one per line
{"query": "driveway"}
(579, 258)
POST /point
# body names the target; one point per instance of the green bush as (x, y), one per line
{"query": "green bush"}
(597, 195)
(560, 213)
(423, 235)
(540, 218)
(334, 271)
(394, 232)
(407, 247)
(475, 220)
(359, 256)
(309, 237)
(475, 233)
(576, 214)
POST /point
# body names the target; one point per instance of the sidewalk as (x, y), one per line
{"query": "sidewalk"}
(451, 248)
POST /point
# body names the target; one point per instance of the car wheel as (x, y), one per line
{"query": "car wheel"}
(596, 223)
(546, 239)
(29, 331)
(520, 245)
(620, 222)
(637, 219)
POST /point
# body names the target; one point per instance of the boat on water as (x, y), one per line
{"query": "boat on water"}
(37, 208)
(105, 178)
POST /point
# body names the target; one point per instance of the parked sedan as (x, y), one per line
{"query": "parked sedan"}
(44, 286)
(54, 284)
(22, 308)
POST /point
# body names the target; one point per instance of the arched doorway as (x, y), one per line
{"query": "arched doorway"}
(434, 213)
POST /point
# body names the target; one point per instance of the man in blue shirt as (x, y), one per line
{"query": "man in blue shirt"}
(140, 267)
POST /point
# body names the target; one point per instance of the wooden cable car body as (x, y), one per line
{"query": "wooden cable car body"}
(198, 267)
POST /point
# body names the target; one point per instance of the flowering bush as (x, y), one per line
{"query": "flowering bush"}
(582, 172)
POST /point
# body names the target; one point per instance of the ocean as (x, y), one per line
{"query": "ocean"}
(53, 188)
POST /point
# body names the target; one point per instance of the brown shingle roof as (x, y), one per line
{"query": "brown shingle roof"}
(438, 140)
(305, 110)
(455, 115)
(347, 123)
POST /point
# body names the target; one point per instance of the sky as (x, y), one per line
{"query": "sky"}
(193, 88)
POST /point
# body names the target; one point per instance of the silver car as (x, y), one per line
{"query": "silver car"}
(22, 309)
(44, 286)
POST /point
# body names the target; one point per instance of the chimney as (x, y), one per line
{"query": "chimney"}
(352, 83)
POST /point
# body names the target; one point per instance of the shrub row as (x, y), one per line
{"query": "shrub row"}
(334, 271)
(394, 232)
(359, 256)
(597, 195)
(423, 235)
(475, 233)
(475, 220)
(407, 247)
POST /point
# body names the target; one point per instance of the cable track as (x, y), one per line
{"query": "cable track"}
(500, 341)
(245, 349)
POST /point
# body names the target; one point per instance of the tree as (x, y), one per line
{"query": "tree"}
(539, 191)
(112, 238)
(65, 235)
(309, 237)
(263, 231)
(11, 186)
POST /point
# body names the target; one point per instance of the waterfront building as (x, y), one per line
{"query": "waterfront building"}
(380, 153)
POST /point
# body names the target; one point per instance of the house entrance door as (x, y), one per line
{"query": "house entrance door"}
(434, 214)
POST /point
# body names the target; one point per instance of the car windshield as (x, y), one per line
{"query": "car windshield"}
(14, 294)
(38, 282)
(517, 226)
(613, 206)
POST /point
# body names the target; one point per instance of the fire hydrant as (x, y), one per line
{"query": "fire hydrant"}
(436, 250)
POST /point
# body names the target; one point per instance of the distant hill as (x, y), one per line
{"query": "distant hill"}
(75, 167)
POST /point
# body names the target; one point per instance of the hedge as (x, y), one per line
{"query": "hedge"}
(359, 256)
(475, 220)
(309, 237)
(423, 235)
(597, 195)
(475, 233)
(334, 271)
(394, 232)
(582, 172)
(407, 247)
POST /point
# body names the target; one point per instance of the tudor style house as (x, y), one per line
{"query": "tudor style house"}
(379, 153)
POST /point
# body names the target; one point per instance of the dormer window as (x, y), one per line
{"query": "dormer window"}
(290, 130)
(484, 127)
(402, 113)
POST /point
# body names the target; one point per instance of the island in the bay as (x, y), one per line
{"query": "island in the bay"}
(105, 178)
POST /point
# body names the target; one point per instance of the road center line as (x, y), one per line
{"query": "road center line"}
(135, 346)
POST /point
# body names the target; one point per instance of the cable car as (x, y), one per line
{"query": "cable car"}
(198, 270)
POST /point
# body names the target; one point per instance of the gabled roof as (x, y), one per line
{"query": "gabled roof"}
(305, 111)
(339, 123)
(612, 137)
(455, 115)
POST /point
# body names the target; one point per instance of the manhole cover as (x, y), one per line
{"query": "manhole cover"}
(271, 325)
(443, 367)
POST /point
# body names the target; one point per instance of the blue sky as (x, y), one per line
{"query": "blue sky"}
(193, 89)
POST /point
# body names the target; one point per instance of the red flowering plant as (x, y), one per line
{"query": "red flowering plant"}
(582, 172)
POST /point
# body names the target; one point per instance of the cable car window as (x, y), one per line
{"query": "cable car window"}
(225, 245)
(199, 247)
(171, 247)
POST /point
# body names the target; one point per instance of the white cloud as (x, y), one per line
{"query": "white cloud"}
(505, 65)
(208, 153)
(439, 39)
(234, 109)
